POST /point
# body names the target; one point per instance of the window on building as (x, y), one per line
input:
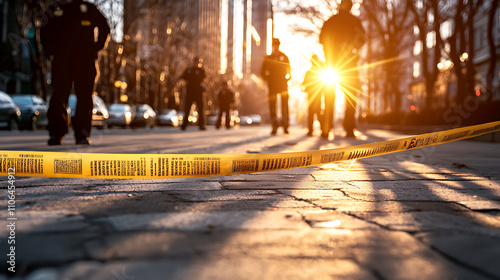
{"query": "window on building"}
(416, 69)
(430, 17)
(447, 47)
(417, 49)
(479, 38)
(431, 39)
(416, 30)
(419, 4)
(445, 29)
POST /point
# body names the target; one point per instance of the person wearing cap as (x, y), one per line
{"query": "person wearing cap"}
(342, 37)
(194, 76)
(315, 89)
(69, 36)
(276, 71)
(225, 98)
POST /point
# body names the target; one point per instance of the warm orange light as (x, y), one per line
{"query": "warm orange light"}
(413, 108)
(330, 76)
(478, 93)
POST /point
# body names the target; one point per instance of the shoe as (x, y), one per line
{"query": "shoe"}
(350, 134)
(273, 132)
(203, 128)
(310, 133)
(84, 141)
(285, 130)
(324, 135)
(183, 128)
(54, 141)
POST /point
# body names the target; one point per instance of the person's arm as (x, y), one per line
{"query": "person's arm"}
(104, 30)
(264, 72)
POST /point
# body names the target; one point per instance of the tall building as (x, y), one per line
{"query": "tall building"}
(15, 60)
(230, 35)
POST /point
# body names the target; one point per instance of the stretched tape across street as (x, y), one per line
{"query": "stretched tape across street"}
(154, 166)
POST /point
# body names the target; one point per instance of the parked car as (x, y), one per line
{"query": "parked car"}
(9, 112)
(167, 117)
(144, 116)
(33, 111)
(192, 118)
(251, 120)
(120, 114)
(100, 112)
(214, 115)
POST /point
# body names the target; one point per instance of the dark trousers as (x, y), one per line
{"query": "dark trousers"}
(314, 108)
(190, 99)
(225, 110)
(66, 72)
(284, 109)
(351, 98)
(328, 114)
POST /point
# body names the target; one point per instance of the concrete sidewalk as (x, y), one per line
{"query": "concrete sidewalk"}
(423, 214)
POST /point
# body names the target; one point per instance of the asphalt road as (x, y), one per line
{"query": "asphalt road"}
(432, 213)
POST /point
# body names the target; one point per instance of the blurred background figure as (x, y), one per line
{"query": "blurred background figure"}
(73, 34)
(194, 76)
(342, 36)
(276, 71)
(225, 98)
(314, 87)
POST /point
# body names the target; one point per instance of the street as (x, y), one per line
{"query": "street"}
(432, 213)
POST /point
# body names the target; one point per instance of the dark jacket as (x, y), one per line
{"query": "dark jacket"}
(225, 97)
(342, 35)
(68, 30)
(274, 70)
(194, 77)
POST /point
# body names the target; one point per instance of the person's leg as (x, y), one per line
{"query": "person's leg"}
(219, 118)
(201, 111)
(188, 102)
(84, 87)
(350, 106)
(311, 110)
(327, 124)
(285, 118)
(57, 115)
(228, 117)
(272, 111)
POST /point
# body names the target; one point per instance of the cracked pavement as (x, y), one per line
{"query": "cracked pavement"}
(432, 213)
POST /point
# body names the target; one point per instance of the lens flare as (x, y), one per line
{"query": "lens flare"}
(330, 76)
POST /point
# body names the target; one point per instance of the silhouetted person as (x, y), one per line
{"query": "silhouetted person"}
(68, 36)
(276, 71)
(342, 36)
(314, 87)
(225, 98)
(194, 76)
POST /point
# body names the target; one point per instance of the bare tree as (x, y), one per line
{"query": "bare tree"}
(492, 49)
(462, 47)
(428, 20)
(391, 24)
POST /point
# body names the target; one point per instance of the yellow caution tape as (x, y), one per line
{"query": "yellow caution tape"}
(154, 166)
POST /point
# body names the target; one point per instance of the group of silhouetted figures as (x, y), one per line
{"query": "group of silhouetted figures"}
(342, 37)
(69, 37)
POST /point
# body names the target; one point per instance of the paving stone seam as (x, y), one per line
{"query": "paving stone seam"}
(430, 246)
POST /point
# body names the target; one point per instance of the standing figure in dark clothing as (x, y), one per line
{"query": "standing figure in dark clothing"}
(225, 97)
(276, 71)
(69, 36)
(194, 77)
(342, 37)
(315, 88)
